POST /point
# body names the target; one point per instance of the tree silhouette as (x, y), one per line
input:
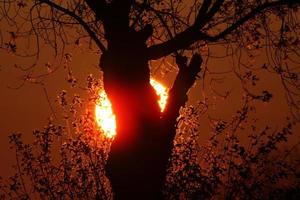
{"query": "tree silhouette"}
(129, 34)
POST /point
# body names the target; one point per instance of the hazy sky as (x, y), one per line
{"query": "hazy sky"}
(27, 108)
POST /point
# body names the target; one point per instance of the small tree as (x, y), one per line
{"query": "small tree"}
(129, 34)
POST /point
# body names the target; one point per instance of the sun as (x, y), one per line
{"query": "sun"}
(106, 119)
(162, 92)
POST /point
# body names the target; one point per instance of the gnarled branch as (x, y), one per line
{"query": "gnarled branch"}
(193, 34)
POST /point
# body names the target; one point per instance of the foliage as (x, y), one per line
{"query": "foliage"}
(70, 164)
(63, 162)
(227, 168)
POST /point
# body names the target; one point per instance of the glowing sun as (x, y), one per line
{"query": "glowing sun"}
(105, 117)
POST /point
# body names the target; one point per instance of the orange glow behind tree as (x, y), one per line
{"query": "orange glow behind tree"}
(105, 117)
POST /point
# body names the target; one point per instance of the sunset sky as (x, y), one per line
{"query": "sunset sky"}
(27, 108)
(24, 108)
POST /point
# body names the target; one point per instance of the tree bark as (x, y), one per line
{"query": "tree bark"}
(140, 151)
(133, 166)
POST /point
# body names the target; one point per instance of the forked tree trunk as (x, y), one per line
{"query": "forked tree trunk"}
(139, 153)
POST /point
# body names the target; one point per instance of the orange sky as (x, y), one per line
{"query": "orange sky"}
(26, 108)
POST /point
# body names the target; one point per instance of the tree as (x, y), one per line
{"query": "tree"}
(129, 34)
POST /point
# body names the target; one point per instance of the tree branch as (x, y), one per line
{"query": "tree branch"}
(203, 9)
(185, 79)
(248, 16)
(193, 34)
(177, 98)
(98, 7)
(180, 41)
(78, 19)
(204, 16)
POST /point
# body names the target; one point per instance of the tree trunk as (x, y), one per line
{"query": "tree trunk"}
(139, 153)
(138, 157)
(137, 171)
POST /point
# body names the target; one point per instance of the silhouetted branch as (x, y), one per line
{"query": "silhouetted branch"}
(193, 34)
(248, 16)
(79, 20)
(185, 79)
(204, 16)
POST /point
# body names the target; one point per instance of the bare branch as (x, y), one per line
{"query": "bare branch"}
(79, 20)
(247, 17)
(203, 16)
(181, 41)
(192, 34)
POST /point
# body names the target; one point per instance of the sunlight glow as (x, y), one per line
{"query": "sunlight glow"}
(105, 117)
(162, 92)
